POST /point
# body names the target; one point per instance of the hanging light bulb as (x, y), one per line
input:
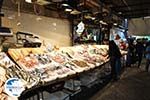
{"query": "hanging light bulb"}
(28, 1)
(115, 24)
(68, 10)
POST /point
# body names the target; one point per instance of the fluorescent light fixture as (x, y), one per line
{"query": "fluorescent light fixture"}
(28, 1)
(64, 4)
(68, 10)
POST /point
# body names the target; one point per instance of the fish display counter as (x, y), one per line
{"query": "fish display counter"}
(36, 67)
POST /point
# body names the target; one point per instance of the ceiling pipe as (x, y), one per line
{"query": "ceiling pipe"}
(93, 3)
(124, 1)
(1, 4)
(133, 5)
(90, 3)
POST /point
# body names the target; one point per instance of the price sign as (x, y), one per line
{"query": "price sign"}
(14, 87)
(80, 28)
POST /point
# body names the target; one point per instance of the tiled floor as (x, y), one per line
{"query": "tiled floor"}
(133, 85)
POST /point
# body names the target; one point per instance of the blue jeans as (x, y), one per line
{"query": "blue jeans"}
(147, 64)
(118, 66)
(115, 67)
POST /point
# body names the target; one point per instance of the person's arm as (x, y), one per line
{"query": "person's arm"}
(147, 50)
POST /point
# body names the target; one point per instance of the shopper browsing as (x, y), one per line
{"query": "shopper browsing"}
(131, 55)
(115, 61)
(147, 54)
(139, 51)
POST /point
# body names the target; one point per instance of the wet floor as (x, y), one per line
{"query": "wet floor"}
(133, 85)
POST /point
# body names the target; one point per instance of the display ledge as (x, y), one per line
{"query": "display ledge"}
(72, 72)
(66, 77)
(42, 85)
(84, 41)
(80, 56)
(28, 54)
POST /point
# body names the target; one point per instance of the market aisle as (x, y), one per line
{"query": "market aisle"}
(133, 85)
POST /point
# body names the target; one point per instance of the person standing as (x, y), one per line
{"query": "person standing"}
(147, 54)
(139, 51)
(131, 53)
(115, 60)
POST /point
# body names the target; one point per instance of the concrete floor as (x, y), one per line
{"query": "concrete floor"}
(133, 85)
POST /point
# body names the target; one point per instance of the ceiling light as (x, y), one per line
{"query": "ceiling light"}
(105, 23)
(75, 12)
(115, 24)
(28, 1)
(87, 17)
(101, 21)
(119, 13)
(68, 10)
(81, 27)
(42, 2)
(64, 4)
(93, 18)
(57, 0)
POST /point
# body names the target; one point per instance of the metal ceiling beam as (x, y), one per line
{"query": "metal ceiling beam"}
(133, 10)
(107, 1)
(126, 4)
(132, 5)
(93, 2)
(136, 10)
(136, 15)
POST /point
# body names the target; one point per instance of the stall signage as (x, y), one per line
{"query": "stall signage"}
(80, 27)
(14, 87)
